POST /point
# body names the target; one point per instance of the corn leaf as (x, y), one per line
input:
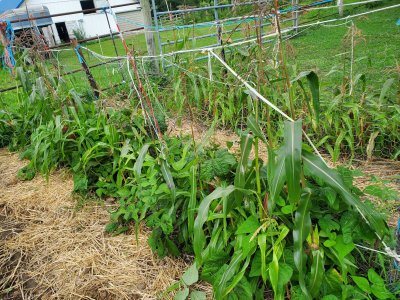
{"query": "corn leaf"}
(317, 273)
(301, 229)
(199, 236)
(313, 83)
(166, 172)
(293, 143)
(139, 162)
(246, 143)
(193, 199)
(276, 167)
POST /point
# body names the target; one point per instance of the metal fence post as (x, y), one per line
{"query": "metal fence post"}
(340, 7)
(219, 28)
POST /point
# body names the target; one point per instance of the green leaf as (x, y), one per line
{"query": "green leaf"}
(374, 278)
(313, 82)
(228, 274)
(301, 229)
(262, 244)
(250, 225)
(246, 143)
(139, 162)
(317, 273)
(278, 175)
(182, 295)
(255, 128)
(198, 295)
(166, 172)
(274, 274)
(199, 236)
(293, 143)
(362, 283)
(386, 87)
(191, 275)
(318, 169)
(193, 199)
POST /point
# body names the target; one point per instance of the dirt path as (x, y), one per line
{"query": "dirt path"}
(51, 250)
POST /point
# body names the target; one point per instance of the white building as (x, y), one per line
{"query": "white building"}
(87, 25)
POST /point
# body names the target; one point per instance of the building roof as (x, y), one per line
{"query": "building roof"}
(9, 4)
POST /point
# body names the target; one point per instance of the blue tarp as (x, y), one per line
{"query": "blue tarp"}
(9, 4)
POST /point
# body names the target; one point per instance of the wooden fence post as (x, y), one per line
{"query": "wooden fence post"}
(149, 33)
(340, 7)
(81, 58)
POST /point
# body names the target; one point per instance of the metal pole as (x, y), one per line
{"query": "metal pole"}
(155, 16)
(113, 41)
(219, 28)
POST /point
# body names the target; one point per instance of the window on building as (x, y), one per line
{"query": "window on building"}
(87, 4)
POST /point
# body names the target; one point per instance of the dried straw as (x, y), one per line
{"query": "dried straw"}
(51, 250)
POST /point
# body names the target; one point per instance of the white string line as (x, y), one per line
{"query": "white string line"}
(392, 255)
(265, 100)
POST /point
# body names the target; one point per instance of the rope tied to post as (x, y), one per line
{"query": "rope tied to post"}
(7, 39)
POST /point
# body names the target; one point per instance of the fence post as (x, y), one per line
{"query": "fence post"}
(81, 58)
(150, 40)
(340, 7)
(219, 28)
(295, 15)
(155, 15)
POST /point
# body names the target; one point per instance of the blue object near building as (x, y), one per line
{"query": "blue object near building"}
(9, 4)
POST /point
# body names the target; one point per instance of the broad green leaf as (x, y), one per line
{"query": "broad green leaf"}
(250, 225)
(375, 278)
(191, 275)
(198, 295)
(318, 169)
(199, 236)
(293, 143)
(301, 229)
(362, 283)
(182, 295)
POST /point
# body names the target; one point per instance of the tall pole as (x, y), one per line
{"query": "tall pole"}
(340, 7)
(81, 58)
(295, 14)
(113, 40)
(149, 34)
(155, 15)
(219, 28)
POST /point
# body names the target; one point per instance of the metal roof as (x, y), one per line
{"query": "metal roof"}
(9, 4)
(14, 15)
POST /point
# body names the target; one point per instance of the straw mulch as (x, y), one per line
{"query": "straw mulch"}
(49, 249)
